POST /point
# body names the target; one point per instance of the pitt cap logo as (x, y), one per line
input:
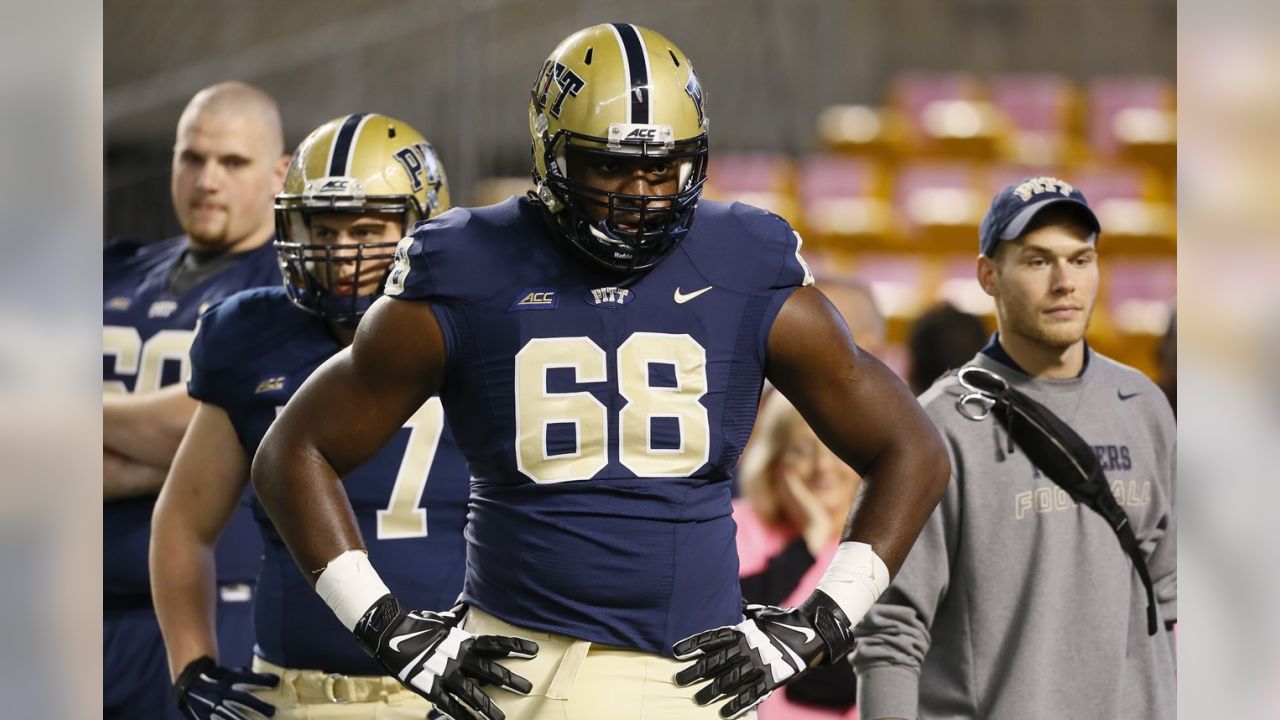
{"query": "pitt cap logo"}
(1036, 185)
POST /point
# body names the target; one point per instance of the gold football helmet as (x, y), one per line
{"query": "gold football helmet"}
(619, 90)
(362, 163)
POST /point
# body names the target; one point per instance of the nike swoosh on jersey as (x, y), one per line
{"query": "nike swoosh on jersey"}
(1124, 397)
(682, 298)
(395, 641)
(806, 632)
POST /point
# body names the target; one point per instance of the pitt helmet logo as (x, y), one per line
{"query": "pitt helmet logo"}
(535, 299)
(694, 90)
(568, 82)
(419, 163)
(1036, 185)
(609, 297)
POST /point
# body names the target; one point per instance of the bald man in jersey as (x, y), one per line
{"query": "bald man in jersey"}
(228, 164)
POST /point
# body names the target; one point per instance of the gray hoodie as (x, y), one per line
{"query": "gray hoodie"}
(1016, 603)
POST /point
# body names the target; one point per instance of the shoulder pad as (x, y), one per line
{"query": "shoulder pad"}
(459, 255)
(242, 323)
(743, 248)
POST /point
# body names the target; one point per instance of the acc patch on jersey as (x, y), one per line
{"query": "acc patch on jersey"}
(535, 299)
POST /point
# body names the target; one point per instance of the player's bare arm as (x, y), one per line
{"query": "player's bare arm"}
(146, 427)
(340, 417)
(205, 482)
(199, 497)
(864, 413)
(868, 417)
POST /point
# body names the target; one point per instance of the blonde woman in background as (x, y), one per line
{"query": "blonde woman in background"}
(795, 496)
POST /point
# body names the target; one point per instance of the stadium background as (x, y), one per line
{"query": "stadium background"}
(880, 129)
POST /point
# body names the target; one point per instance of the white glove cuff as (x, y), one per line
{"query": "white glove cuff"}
(350, 586)
(854, 579)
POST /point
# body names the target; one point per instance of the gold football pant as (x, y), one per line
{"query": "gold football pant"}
(307, 694)
(579, 680)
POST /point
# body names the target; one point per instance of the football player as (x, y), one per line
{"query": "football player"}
(228, 164)
(354, 186)
(600, 349)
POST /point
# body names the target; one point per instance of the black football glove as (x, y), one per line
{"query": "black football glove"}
(433, 656)
(771, 646)
(206, 691)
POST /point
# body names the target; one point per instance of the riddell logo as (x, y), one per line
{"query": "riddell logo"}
(642, 133)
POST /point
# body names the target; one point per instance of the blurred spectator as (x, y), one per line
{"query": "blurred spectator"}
(857, 306)
(797, 494)
(942, 339)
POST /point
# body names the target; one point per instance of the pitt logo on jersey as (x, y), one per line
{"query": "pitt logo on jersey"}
(535, 299)
(609, 297)
(1036, 185)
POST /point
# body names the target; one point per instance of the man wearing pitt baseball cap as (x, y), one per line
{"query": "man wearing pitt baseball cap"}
(1014, 207)
(1001, 552)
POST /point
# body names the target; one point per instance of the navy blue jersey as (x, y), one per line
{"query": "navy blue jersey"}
(252, 353)
(602, 415)
(146, 333)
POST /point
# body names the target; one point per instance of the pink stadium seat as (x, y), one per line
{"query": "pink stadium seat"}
(762, 179)
(749, 172)
(1140, 293)
(940, 204)
(945, 114)
(1110, 96)
(843, 199)
(1040, 109)
(1127, 201)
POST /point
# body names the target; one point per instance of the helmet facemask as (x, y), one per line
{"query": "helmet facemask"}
(624, 231)
(336, 281)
